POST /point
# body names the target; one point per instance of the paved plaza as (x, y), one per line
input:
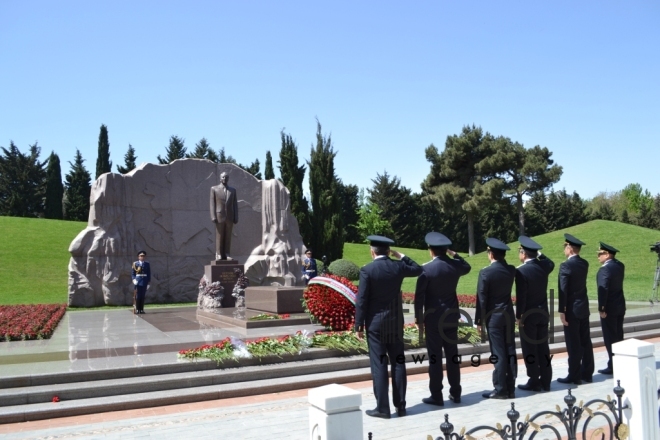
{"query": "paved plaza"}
(94, 340)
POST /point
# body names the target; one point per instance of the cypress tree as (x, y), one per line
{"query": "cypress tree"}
(326, 218)
(22, 182)
(54, 188)
(175, 150)
(129, 161)
(103, 164)
(78, 188)
(292, 177)
(269, 172)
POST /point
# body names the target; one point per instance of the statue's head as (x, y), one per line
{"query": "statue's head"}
(224, 178)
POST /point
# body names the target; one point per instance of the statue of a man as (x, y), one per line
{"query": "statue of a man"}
(224, 213)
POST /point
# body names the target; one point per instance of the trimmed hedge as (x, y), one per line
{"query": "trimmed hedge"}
(345, 268)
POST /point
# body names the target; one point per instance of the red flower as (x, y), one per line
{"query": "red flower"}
(329, 307)
(56, 399)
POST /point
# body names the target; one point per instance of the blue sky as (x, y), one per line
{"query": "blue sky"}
(385, 79)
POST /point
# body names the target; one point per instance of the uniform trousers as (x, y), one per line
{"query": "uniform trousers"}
(139, 297)
(384, 349)
(579, 347)
(536, 352)
(503, 346)
(435, 343)
(612, 332)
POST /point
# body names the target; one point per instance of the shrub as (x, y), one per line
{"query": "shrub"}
(345, 268)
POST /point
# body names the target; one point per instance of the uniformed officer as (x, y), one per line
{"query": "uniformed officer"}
(141, 274)
(611, 302)
(495, 311)
(532, 313)
(309, 266)
(574, 313)
(379, 310)
(435, 297)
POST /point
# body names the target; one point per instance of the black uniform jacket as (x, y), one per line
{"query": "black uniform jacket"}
(573, 297)
(378, 302)
(436, 286)
(494, 292)
(532, 288)
(609, 280)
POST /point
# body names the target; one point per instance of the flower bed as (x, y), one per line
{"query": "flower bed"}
(269, 316)
(235, 349)
(25, 322)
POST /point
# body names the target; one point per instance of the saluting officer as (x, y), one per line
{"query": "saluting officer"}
(379, 310)
(435, 296)
(574, 313)
(495, 311)
(141, 275)
(532, 313)
(611, 302)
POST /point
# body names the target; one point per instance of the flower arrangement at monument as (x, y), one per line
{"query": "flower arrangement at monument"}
(210, 294)
(239, 288)
(269, 316)
(26, 322)
(330, 300)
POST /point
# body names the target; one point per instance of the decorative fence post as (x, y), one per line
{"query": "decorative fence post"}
(634, 366)
(335, 413)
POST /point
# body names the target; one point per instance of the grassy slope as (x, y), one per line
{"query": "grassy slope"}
(34, 258)
(632, 242)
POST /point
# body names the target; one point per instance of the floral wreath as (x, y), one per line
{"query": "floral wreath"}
(330, 300)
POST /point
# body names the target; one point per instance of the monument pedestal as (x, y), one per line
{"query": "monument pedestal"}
(274, 299)
(225, 272)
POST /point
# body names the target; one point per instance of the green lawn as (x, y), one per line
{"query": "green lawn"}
(632, 241)
(34, 258)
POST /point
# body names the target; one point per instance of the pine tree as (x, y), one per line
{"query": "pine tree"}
(326, 218)
(54, 188)
(396, 205)
(292, 177)
(129, 161)
(269, 172)
(22, 182)
(78, 189)
(203, 151)
(223, 158)
(103, 164)
(350, 214)
(175, 150)
(655, 213)
(253, 168)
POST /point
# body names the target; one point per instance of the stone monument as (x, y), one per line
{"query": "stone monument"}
(163, 209)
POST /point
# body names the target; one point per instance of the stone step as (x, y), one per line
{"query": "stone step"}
(145, 392)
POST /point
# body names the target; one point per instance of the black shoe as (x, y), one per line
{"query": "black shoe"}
(607, 371)
(432, 401)
(512, 395)
(528, 387)
(455, 399)
(376, 413)
(569, 380)
(545, 389)
(590, 380)
(495, 395)
(401, 412)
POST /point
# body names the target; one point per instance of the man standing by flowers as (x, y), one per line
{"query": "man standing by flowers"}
(141, 274)
(378, 309)
(309, 266)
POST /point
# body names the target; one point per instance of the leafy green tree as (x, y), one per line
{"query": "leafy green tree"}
(223, 158)
(175, 150)
(54, 188)
(460, 178)
(636, 197)
(269, 172)
(372, 222)
(203, 151)
(292, 176)
(655, 213)
(78, 188)
(253, 168)
(349, 209)
(645, 215)
(103, 164)
(524, 171)
(129, 161)
(22, 182)
(327, 222)
(397, 205)
(625, 218)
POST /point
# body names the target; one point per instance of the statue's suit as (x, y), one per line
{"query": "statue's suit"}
(224, 213)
